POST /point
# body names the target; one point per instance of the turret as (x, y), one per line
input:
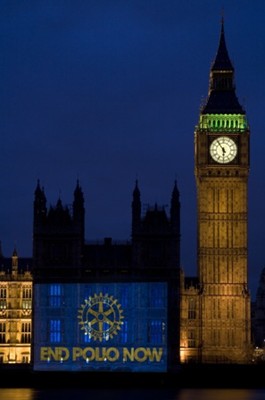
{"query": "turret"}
(14, 262)
(136, 209)
(58, 237)
(40, 209)
(78, 207)
(175, 210)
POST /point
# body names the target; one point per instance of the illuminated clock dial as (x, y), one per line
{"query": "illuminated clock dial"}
(223, 149)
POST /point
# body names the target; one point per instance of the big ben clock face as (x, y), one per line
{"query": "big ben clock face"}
(223, 149)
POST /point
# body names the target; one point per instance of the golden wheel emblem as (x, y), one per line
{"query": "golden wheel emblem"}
(100, 317)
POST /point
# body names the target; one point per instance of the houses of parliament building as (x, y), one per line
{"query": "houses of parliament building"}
(129, 306)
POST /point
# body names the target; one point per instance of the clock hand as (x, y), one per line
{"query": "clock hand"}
(223, 149)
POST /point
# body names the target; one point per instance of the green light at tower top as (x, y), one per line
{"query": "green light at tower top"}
(223, 122)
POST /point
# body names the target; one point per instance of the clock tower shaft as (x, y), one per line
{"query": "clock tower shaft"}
(222, 219)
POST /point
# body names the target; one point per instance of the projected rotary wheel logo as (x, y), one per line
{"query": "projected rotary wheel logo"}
(100, 317)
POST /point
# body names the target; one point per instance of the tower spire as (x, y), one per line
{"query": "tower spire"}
(222, 97)
(222, 60)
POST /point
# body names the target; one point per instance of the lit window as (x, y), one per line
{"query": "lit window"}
(156, 331)
(191, 338)
(191, 309)
(2, 332)
(26, 298)
(55, 330)
(55, 295)
(3, 296)
(26, 332)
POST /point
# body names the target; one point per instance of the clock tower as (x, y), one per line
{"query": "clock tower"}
(221, 172)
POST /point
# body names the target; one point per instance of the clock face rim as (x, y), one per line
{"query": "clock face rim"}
(216, 149)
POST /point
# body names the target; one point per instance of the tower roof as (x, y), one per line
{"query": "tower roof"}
(222, 98)
(222, 61)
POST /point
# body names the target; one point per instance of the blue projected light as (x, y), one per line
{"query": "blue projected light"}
(110, 326)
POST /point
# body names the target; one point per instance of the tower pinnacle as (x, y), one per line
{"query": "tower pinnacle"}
(222, 97)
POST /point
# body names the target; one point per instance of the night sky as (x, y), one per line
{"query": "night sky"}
(109, 91)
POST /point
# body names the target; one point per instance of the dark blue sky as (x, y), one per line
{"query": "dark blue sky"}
(107, 91)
